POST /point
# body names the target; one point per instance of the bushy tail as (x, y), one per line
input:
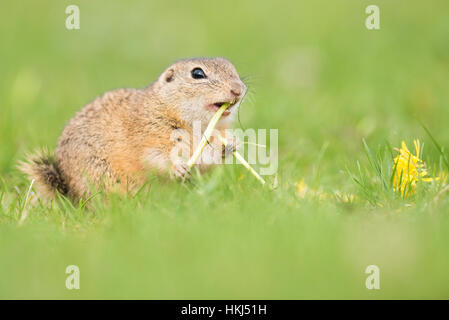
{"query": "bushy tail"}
(42, 167)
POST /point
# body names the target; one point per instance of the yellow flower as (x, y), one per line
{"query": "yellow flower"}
(301, 188)
(408, 169)
(344, 197)
(443, 177)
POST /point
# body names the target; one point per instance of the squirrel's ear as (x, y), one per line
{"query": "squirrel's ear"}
(168, 75)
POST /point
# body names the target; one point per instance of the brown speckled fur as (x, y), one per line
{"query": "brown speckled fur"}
(113, 141)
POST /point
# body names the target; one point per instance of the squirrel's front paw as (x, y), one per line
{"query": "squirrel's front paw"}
(233, 144)
(179, 170)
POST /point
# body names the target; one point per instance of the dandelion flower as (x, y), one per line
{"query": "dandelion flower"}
(301, 188)
(344, 197)
(408, 169)
(303, 191)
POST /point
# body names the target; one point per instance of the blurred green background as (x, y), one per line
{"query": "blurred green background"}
(314, 72)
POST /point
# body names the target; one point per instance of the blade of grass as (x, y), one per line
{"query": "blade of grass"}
(243, 162)
(24, 212)
(393, 174)
(437, 145)
(206, 136)
(374, 164)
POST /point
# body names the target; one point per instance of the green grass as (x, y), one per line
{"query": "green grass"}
(315, 73)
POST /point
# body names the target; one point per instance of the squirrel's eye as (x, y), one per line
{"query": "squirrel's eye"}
(198, 73)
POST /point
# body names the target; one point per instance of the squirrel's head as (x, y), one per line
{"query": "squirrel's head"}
(198, 87)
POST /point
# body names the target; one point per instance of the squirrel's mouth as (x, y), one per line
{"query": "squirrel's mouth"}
(217, 105)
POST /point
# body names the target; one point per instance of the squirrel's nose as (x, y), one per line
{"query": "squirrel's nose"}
(236, 89)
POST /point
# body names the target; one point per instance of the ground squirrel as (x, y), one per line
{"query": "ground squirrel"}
(115, 140)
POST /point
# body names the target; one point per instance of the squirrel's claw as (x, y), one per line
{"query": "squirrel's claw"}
(233, 144)
(180, 171)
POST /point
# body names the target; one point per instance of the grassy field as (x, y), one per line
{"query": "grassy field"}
(315, 73)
